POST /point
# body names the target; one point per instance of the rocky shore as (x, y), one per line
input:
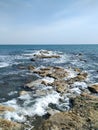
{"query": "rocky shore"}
(65, 99)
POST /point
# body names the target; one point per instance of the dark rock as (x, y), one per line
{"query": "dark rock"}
(32, 59)
(93, 88)
(30, 67)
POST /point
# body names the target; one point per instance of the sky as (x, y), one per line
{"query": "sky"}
(48, 21)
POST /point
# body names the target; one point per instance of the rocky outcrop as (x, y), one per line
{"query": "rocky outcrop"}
(45, 54)
(82, 116)
(54, 72)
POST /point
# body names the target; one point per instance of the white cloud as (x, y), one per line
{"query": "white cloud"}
(80, 27)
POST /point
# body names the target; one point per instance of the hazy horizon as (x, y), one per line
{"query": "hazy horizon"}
(48, 22)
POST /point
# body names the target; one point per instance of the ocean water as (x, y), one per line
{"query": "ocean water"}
(12, 78)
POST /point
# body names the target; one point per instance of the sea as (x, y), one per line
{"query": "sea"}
(13, 77)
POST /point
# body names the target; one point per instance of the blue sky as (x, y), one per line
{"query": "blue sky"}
(48, 21)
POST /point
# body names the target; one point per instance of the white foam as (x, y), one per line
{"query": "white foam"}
(81, 85)
(38, 108)
(14, 116)
(3, 64)
(12, 93)
(63, 59)
(71, 73)
(48, 80)
(44, 52)
(75, 91)
(42, 103)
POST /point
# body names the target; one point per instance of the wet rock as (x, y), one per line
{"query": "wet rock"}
(41, 93)
(30, 67)
(9, 125)
(33, 59)
(80, 77)
(6, 108)
(47, 81)
(43, 71)
(82, 116)
(60, 85)
(52, 111)
(93, 88)
(54, 72)
(80, 54)
(33, 84)
(23, 93)
(59, 73)
(77, 70)
(46, 54)
(21, 67)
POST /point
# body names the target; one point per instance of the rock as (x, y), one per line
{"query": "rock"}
(9, 125)
(41, 93)
(6, 108)
(77, 70)
(52, 111)
(80, 77)
(82, 116)
(21, 67)
(30, 67)
(80, 54)
(59, 74)
(43, 71)
(33, 84)
(23, 93)
(93, 88)
(32, 59)
(46, 54)
(54, 72)
(60, 85)
(47, 81)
